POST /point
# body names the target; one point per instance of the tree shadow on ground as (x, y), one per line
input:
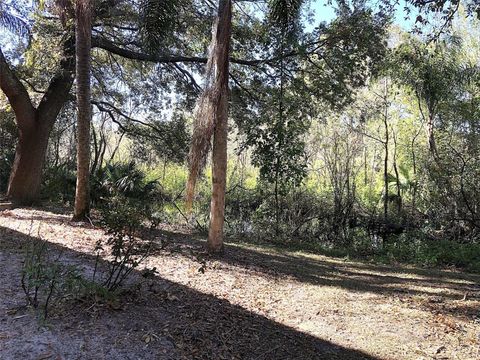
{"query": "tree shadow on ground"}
(323, 271)
(182, 323)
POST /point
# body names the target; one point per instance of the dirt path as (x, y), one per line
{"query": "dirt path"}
(254, 303)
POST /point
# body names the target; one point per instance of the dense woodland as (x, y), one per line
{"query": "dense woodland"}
(354, 133)
(346, 128)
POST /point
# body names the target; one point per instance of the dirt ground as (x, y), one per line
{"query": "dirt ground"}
(253, 303)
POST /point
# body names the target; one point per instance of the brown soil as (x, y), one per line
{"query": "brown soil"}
(252, 303)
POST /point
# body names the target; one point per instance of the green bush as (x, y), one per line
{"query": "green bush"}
(46, 280)
(416, 247)
(8, 139)
(59, 184)
(124, 179)
(124, 219)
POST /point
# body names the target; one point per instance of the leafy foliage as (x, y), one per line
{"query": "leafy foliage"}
(11, 21)
(125, 180)
(8, 138)
(46, 280)
(123, 221)
(157, 20)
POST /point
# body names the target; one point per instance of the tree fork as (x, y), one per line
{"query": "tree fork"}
(34, 124)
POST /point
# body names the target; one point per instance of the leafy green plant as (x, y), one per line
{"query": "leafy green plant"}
(123, 220)
(8, 138)
(59, 183)
(45, 279)
(124, 180)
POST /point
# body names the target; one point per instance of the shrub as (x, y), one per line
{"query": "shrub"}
(126, 180)
(46, 280)
(59, 184)
(123, 219)
(8, 139)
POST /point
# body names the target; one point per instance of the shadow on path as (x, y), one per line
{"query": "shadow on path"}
(184, 323)
(353, 276)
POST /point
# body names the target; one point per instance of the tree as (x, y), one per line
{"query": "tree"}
(429, 70)
(212, 121)
(34, 122)
(212, 113)
(220, 132)
(83, 38)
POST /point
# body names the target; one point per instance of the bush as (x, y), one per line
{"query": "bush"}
(123, 219)
(59, 184)
(417, 247)
(46, 280)
(8, 140)
(123, 179)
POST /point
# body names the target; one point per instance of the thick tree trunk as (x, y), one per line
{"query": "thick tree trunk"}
(83, 34)
(26, 175)
(219, 151)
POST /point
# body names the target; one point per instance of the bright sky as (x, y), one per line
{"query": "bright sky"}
(325, 12)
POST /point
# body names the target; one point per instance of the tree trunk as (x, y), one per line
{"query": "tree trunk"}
(219, 180)
(385, 162)
(432, 145)
(397, 175)
(219, 151)
(26, 174)
(83, 32)
(190, 192)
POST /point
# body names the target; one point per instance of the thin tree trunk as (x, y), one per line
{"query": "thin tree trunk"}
(279, 133)
(83, 31)
(397, 176)
(432, 144)
(96, 151)
(219, 154)
(190, 191)
(385, 162)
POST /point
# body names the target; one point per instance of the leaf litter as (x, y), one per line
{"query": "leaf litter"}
(255, 302)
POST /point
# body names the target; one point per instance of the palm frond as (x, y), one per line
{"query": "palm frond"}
(285, 13)
(13, 23)
(205, 111)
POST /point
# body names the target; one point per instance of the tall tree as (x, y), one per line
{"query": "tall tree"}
(34, 122)
(429, 70)
(83, 41)
(212, 120)
(221, 45)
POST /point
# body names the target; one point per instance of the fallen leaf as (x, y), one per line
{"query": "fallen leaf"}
(146, 338)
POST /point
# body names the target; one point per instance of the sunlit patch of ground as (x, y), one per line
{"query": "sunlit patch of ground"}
(381, 311)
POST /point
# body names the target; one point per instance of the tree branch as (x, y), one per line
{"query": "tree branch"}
(58, 91)
(17, 94)
(110, 46)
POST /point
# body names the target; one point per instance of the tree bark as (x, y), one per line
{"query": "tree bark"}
(83, 32)
(190, 192)
(219, 151)
(432, 144)
(26, 174)
(219, 177)
(385, 162)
